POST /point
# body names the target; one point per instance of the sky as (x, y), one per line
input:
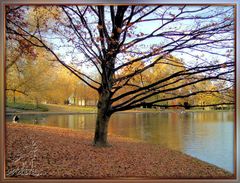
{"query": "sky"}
(189, 57)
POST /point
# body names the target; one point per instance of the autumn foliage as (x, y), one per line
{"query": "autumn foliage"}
(134, 56)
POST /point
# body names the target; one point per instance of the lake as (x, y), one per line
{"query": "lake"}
(205, 135)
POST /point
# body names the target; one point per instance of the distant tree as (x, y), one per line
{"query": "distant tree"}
(111, 39)
(27, 75)
(17, 50)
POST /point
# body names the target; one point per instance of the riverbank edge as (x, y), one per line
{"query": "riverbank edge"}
(27, 112)
(64, 133)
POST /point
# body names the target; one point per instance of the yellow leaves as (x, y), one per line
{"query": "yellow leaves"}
(39, 16)
(133, 67)
(30, 74)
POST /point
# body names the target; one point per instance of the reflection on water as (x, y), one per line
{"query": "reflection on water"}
(205, 135)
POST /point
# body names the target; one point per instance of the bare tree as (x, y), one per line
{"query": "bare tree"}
(111, 39)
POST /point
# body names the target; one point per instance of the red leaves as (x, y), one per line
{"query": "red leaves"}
(99, 39)
(110, 53)
(129, 24)
(227, 18)
(223, 65)
(119, 30)
(172, 15)
(78, 26)
(129, 35)
(156, 50)
(99, 26)
(72, 155)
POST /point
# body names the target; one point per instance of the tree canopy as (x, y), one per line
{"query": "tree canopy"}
(137, 52)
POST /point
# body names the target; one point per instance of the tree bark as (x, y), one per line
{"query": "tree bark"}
(103, 116)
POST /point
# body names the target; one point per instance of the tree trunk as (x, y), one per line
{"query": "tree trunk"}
(101, 130)
(103, 116)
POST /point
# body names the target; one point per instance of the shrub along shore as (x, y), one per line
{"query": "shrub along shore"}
(52, 152)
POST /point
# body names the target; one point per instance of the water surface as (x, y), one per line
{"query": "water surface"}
(205, 135)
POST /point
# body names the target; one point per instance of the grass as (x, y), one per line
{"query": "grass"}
(69, 108)
(51, 107)
(73, 108)
(27, 106)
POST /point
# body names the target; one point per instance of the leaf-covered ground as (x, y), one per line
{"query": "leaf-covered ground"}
(49, 152)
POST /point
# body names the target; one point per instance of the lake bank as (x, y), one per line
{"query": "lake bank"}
(56, 153)
(65, 109)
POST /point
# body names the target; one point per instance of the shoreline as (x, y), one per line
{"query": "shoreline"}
(72, 155)
(29, 112)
